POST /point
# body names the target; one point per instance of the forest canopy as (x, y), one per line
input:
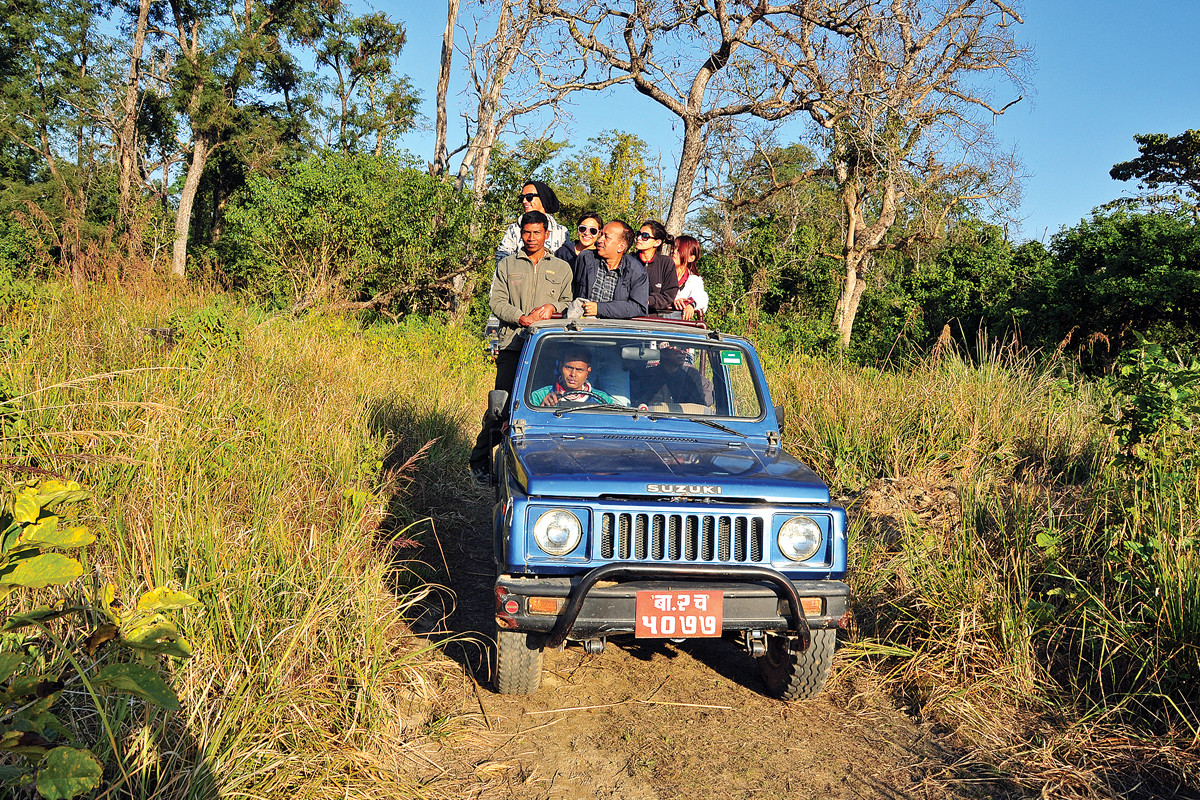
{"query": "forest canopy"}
(260, 149)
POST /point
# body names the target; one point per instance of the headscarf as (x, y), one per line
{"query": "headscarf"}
(547, 195)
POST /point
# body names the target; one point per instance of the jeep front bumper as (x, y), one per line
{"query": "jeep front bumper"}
(602, 601)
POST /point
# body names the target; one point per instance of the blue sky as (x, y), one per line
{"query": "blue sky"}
(1104, 70)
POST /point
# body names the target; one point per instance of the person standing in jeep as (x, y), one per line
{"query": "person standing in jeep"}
(529, 285)
(610, 283)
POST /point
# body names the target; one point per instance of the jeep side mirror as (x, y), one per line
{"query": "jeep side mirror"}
(497, 403)
(780, 417)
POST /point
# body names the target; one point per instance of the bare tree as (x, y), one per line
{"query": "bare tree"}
(441, 156)
(707, 61)
(909, 124)
(906, 120)
(513, 74)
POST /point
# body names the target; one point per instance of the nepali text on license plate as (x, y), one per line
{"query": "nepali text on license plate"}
(678, 614)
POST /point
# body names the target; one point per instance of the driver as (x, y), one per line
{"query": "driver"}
(572, 384)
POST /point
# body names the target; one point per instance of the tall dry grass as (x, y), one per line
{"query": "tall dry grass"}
(265, 465)
(1011, 579)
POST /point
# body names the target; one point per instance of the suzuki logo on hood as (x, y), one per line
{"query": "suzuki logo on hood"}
(681, 488)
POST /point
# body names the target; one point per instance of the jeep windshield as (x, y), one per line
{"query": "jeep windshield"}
(664, 375)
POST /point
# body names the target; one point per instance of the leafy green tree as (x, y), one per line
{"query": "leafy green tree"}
(1166, 162)
(968, 283)
(207, 81)
(56, 76)
(610, 176)
(767, 246)
(1119, 274)
(358, 53)
(510, 167)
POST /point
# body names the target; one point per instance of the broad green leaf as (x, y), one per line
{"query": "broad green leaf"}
(139, 680)
(11, 534)
(29, 687)
(52, 493)
(68, 772)
(26, 743)
(161, 598)
(43, 614)
(8, 664)
(41, 706)
(40, 571)
(158, 637)
(46, 533)
(26, 507)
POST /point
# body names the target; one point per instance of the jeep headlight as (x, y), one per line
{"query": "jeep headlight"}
(799, 538)
(557, 532)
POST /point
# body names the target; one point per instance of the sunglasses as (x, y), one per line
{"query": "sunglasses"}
(587, 230)
(645, 236)
(528, 198)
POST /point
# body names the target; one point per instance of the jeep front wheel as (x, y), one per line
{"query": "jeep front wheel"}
(518, 662)
(797, 676)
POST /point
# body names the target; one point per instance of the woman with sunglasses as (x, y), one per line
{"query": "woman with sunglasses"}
(664, 285)
(535, 196)
(692, 300)
(589, 226)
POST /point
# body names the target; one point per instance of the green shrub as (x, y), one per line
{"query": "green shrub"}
(1155, 409)
(352, 226)
(46, 648)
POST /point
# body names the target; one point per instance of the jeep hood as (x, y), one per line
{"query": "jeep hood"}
(592, 465)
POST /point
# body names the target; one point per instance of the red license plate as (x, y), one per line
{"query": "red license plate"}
(678, 614)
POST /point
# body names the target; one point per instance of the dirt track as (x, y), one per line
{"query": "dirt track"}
(662, 720)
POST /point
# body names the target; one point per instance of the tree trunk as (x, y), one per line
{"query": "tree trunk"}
(440, 157)
(183, 217)
(848, 300)
(689, 163)
(127, 137)
(481, 153)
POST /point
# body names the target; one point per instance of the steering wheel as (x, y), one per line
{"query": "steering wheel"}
(586, 392)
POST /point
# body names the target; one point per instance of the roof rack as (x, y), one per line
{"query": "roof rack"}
(685, 323)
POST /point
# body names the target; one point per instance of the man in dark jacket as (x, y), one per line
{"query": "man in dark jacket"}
(609, 283)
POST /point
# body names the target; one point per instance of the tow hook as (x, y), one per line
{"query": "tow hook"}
(756, 643)
(594, 646)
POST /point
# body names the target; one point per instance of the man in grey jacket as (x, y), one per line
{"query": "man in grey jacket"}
(529, 285)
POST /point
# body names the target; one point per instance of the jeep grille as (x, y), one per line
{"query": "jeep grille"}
(681, 537)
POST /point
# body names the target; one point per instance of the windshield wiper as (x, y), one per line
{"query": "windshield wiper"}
(710, 423)
(558, 412)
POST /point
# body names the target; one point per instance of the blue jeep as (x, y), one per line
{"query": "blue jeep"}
(642, 489)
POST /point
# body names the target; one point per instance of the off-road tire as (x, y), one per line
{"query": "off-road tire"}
(797, 676)
(518, 662)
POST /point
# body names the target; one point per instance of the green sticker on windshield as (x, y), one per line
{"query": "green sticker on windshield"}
(732, 358)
